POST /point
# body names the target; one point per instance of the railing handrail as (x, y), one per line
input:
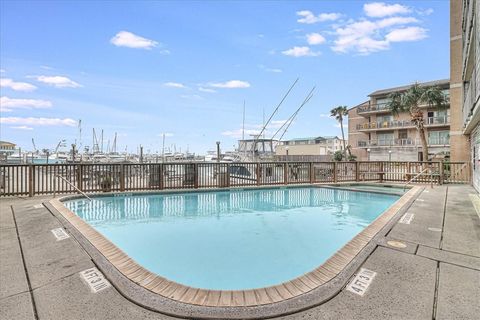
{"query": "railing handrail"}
(72, 185)
(84, 178)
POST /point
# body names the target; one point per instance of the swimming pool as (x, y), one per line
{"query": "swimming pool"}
(233, 239)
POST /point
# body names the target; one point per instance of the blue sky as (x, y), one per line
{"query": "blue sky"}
(143, 69)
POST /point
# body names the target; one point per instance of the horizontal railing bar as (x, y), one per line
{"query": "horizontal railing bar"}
(33, 179)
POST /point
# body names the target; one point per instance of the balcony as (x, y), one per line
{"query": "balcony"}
(372, 126)
(387, 143)
(373, 108)
(409, 142)
(403, 124)
(383, 107)
(437, 121)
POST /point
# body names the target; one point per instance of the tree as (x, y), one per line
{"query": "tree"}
(338, 155)
(411, 100)
(340, 112)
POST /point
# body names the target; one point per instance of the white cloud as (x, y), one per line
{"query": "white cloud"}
(300, 52)
(231, 84)
(274, 70)
(38, 121)
(8, 104)
(425, 12)
(17, 86)
(130, 40)
(22, 127)
(381, 9)
(365, 36)
(174, 85)
(208, 90)
(324, 115)
(166, 134)
(57, 81)
(315, 38)
(309, 18)
(392, 21)
(2, 70)
(407, 34)
(191, 96)
(46, 67)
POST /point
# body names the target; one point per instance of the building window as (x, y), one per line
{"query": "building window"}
(439, 137)
(385, 139)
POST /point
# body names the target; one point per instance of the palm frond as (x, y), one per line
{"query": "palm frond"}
(396, 102)
(434, 97)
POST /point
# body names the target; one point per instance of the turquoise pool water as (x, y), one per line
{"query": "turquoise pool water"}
(233, 240)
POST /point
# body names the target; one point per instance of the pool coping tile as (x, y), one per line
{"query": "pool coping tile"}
(194, 297)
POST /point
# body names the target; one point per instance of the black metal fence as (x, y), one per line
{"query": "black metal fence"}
(33, 180)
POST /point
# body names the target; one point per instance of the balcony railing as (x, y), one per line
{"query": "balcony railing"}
(430, 121)
(409, 142)
(438, 120)
(387, 143)
(385, 125)
(383, 107)
(373, 108)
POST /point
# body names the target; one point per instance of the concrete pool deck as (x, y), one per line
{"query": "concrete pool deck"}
(435, 275)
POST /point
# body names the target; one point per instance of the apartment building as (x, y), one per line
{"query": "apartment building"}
(465, 83)
(376, 134)
(322, 145)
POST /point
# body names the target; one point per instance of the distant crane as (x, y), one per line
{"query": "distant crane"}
(34, 146)
(60, 144)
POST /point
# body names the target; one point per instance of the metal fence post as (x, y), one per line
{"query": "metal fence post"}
(257, 169)
(440, 179)
(160, 176)
(122, 177)
(79, 176)
(381, 171)
(195, 175)
(357, 171)
(409, 171)
(335, 178)
(312, 173)
(31, 187)
(285, 173)
(228, 175)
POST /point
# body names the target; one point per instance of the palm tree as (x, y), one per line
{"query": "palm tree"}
(340, 112)
(410, 101)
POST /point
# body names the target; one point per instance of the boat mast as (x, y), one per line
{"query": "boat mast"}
(243, 130)
(271, 116)
(292, 117)
(163, 147)
(310, 95)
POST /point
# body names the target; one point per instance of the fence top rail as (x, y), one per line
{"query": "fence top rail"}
(224, 163)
